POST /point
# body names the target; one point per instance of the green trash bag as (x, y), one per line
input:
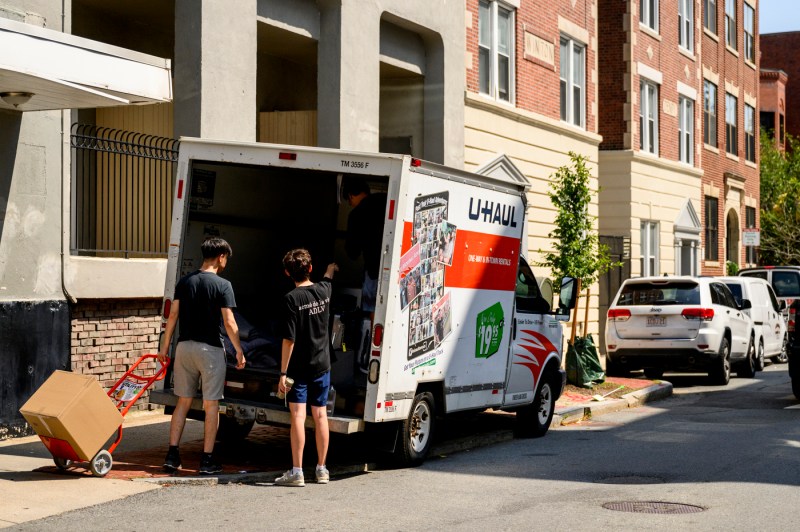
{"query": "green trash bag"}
(583, 364)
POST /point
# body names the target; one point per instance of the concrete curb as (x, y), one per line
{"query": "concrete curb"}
(575, 413)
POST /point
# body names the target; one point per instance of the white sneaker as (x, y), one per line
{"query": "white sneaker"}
(323, 476)
(290, 479)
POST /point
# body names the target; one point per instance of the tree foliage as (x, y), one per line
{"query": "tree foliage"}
(780, 202)
(577, 250)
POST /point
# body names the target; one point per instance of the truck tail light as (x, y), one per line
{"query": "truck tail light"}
(167, 307)
(619, 314)
(377, 335)
(792, 318)
(702, 314)
(287, 156)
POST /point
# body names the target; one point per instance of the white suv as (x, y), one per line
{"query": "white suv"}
(679, 324)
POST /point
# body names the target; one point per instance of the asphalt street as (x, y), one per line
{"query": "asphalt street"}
(723, 458)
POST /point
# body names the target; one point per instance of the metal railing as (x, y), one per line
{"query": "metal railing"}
(122, 192)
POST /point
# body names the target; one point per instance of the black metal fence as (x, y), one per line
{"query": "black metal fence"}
(122, 192)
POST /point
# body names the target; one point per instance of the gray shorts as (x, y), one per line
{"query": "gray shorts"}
(196, 363)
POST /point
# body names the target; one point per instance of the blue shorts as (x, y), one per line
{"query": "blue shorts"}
(314, 393)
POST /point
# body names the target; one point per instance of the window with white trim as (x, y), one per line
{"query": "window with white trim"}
(496, 38)
(649, 248)
(731, 130)
(749, 33)
(712, 228)
(648, 14)
(686, 24)
(749, 133)
(648, 117)
(709, 113)
(730, 23)
(573, 82)
(710, 15)
(685, 130)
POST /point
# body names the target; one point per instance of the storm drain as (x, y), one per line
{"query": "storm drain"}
(652, 507)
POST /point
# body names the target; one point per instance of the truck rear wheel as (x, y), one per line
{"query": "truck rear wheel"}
(417, 430)
(533, 421)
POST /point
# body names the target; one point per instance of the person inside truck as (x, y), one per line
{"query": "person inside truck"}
(201, 298)
(306, 358)
(364, 237)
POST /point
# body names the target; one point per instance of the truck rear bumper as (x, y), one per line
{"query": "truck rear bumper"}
(260, 413)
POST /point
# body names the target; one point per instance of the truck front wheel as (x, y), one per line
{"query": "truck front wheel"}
(533, 421)
(417, 433)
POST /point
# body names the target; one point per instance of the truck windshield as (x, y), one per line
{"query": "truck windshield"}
(685, 293)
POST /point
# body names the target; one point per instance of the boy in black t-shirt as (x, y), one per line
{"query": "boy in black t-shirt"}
(305, 357)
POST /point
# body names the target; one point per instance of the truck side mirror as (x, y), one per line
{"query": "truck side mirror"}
(568, 296)
(746, 304)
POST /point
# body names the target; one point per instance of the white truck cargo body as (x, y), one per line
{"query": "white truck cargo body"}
(460, 323)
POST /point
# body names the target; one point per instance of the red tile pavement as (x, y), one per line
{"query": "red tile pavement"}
(568, 398)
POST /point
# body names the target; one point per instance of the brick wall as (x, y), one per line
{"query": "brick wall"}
(780, 51)
(537, 88)
(772, 99)
(731, 67)
(612, 39)
(108, 336)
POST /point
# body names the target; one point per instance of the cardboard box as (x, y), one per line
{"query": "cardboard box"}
(72, 415)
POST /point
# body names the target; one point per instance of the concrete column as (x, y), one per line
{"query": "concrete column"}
(678, 258)
(215, 69)
(348, 75)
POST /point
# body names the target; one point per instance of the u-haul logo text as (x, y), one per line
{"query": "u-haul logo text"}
(492, 212)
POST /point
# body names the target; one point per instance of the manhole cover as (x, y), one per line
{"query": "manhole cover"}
(630, 479)
(651, 507)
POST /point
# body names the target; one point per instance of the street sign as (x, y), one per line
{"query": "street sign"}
(751, 237)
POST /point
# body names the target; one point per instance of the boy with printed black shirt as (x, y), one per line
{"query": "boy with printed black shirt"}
(305, 357)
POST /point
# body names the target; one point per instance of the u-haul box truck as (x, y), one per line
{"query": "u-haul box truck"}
(460, 323)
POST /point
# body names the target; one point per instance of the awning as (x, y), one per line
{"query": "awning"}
(62, 71)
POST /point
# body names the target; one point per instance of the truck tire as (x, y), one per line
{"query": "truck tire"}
(748, 367)
(230, 430)
(720, 373)
(783, 357)
(417, 431)
(760, 356)
(533, 421)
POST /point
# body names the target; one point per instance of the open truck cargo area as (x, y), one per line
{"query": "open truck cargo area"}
(460, 322)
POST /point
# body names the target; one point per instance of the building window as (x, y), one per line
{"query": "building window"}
(712, 229)
(768, 122)
(750, 223)
(573, 82)
(496, 50)
(649, 248)
(710, 15)
(749, 133)
(648, 117)
(686, 24)
(730, 23)
(709, 113)
(648, 14)
(731, 131)
(749, 32)
(685, 130)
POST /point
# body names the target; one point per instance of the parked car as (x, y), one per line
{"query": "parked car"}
(793, 348)
(679, 324)
(769, 326)
(785, 280)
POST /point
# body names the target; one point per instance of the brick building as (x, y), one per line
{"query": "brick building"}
(781, 51)
(730, 77)
(650, 161)
(531, 74)
(772, 101)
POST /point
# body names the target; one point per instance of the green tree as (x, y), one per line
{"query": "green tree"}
(780, 201)
(577, 251)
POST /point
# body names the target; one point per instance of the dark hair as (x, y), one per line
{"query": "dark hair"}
(214, 247)
(298, 263)
(353, 186)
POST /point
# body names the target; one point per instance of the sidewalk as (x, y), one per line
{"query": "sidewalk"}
(31, 487)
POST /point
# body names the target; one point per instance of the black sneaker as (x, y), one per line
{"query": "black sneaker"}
(173, 461)
(209, 467)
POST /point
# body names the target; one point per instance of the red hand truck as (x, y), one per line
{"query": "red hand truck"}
(128, 389)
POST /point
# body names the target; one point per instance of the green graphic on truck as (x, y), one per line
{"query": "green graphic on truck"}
(489, 331)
